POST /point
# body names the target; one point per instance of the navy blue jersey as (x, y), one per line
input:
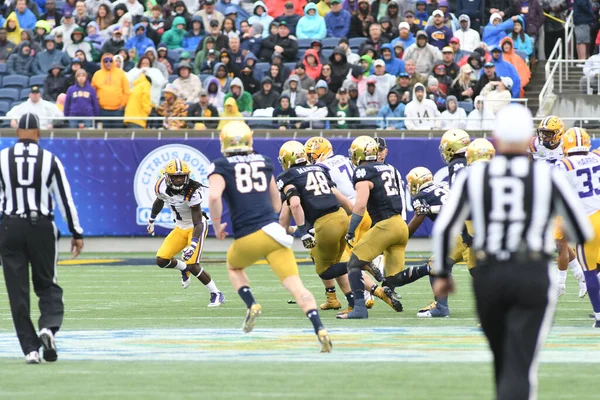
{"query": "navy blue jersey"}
(314, 184)
(385, 200)
(431, 198)
(247, 179)
(454, 166)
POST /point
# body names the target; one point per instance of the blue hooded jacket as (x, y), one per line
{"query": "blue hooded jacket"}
(410, 41)
(394, 66)
(387, 112)
(191, 41)
(223, 7)
(504, 68)
(338, 25)
(311, 27)
(140, 42)
(27, 20)
(492, 35)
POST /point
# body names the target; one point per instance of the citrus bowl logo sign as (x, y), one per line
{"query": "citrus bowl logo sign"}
(149, 171)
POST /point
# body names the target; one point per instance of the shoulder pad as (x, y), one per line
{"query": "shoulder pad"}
(565, 163)
(158, 184)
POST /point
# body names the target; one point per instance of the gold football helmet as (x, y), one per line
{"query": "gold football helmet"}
(576, 140)
(480, 149)
(291, 153)
(318, 149)
(236, 137)
(454, 141)
(177, 174)
(418, 178)
(550, 131)
(363, 148)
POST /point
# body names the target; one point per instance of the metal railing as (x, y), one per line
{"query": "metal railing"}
(550, 70)
(569, 43)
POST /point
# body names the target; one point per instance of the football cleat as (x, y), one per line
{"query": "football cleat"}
(560, 290)
(582, 287)
(32, 358)
(332, 303)
(346, 311)
(185, 279)
(438, 311)
(253, 312)
(47, 339)
(431, 306)
(374, 271)
(325, 341)
(597, 324)
(216, 299)
(386, 294)
(369, 300)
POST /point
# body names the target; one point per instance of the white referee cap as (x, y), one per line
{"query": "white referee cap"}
(514, 124)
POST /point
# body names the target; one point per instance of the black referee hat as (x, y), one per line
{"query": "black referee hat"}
(381, 143)
(29, 121)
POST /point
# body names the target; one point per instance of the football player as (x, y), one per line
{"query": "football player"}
(245, 180)
(581, 168)
(183, 196)
(377, 191)
(453, 147)
(546, 146)
(320, 151)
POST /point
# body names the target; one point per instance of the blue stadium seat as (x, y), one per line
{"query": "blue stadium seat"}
(356, 42)
(290, 65)
(37, 80)
(304, 43)
(466, 105)
(59, 5)
(173, 55)
(521, 54)
(326, 53)
(330, 42)
(3, 69)
(260, 69)
(15, 81)
(172, 78)
(25, 94)
(9, 94)
(4, 107)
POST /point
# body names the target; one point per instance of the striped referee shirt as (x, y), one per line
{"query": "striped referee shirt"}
(512, 201)
(31, 180)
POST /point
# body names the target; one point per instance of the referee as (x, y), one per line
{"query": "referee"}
(513, 203)
(31, 179)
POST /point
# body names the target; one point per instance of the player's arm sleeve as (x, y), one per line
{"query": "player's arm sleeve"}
(196, 198)
(449, 224)
(568, 205)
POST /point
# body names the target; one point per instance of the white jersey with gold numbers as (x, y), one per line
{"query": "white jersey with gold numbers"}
(541, 153)
(179, 203)
(341, 170)
(583, 173)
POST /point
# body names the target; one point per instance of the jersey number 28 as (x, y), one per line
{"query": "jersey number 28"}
(389, 183)
(248, 177)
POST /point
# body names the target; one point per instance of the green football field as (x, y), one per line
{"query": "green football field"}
(131, 332)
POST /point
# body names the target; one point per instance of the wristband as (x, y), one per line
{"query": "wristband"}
(354, 222)
(302, 230)
(195, 240)
(152, 217)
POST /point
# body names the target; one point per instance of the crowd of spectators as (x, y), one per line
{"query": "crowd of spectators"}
(461, 60)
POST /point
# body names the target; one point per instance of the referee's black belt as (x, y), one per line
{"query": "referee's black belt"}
(516, 257)
(32, 216)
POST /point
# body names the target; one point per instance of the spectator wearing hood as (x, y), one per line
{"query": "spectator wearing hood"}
(393, 65)
(6, 46)
(359, 22)
(439, 33)
(66, 28)
(371, 100)
(88, 66)
(52, 15)
(290, 17)
(423, 54)
(260, 13)
(326, 96)
(55, 83)
(252, 40)
(473, 9)
(113, 44)
(497, 94)
(339, 63)
(220, 72)
(509, 56)
(42, 29)
(94, 38)
(295, 92)
(504, 68)
(81, 101)
(385, 81)
(387, 30)
(26, 17)
(140, 41)
(233, 12)
(453, 117)
(112, 87)
(151, 33)
(405, 36)
(496, 30)
(77, 43)
(232, 69)
(435, 94)
(209, 13)
(173, 38)
(157, 80)
(21, 61)
(276, 73)
(421, 113)
(374, 40)
(13, 29)
(266, 97)
(312, 25)
(393, 109)
(305, 80)
(216, 97)
(395, 12)
(220, 40)
(192, 39)
(312, 110)
(172, 109)
(312, 64)
(27, 35)
(462, 86)
(49, 57)
(421, 14)
(251, 84)
(181, 10)
(521, 40)
(481, 118)
(152, 54)
(344, 45)
(338, 20)
(133, 7)
(209, 63)
(281, 43)
(357, 78)
(283, 112)
(230, 110)
(162, 58)
(140, 103)
(188, 85)
(341, 108)
(241, 97)
(469, 39)
(334, 82)
(488, 75)
(204, 112)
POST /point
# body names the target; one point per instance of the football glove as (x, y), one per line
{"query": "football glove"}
(422, 209)
(349, 238)
(188, 252)
(308, 241)
(467, 239)
(150, 227)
